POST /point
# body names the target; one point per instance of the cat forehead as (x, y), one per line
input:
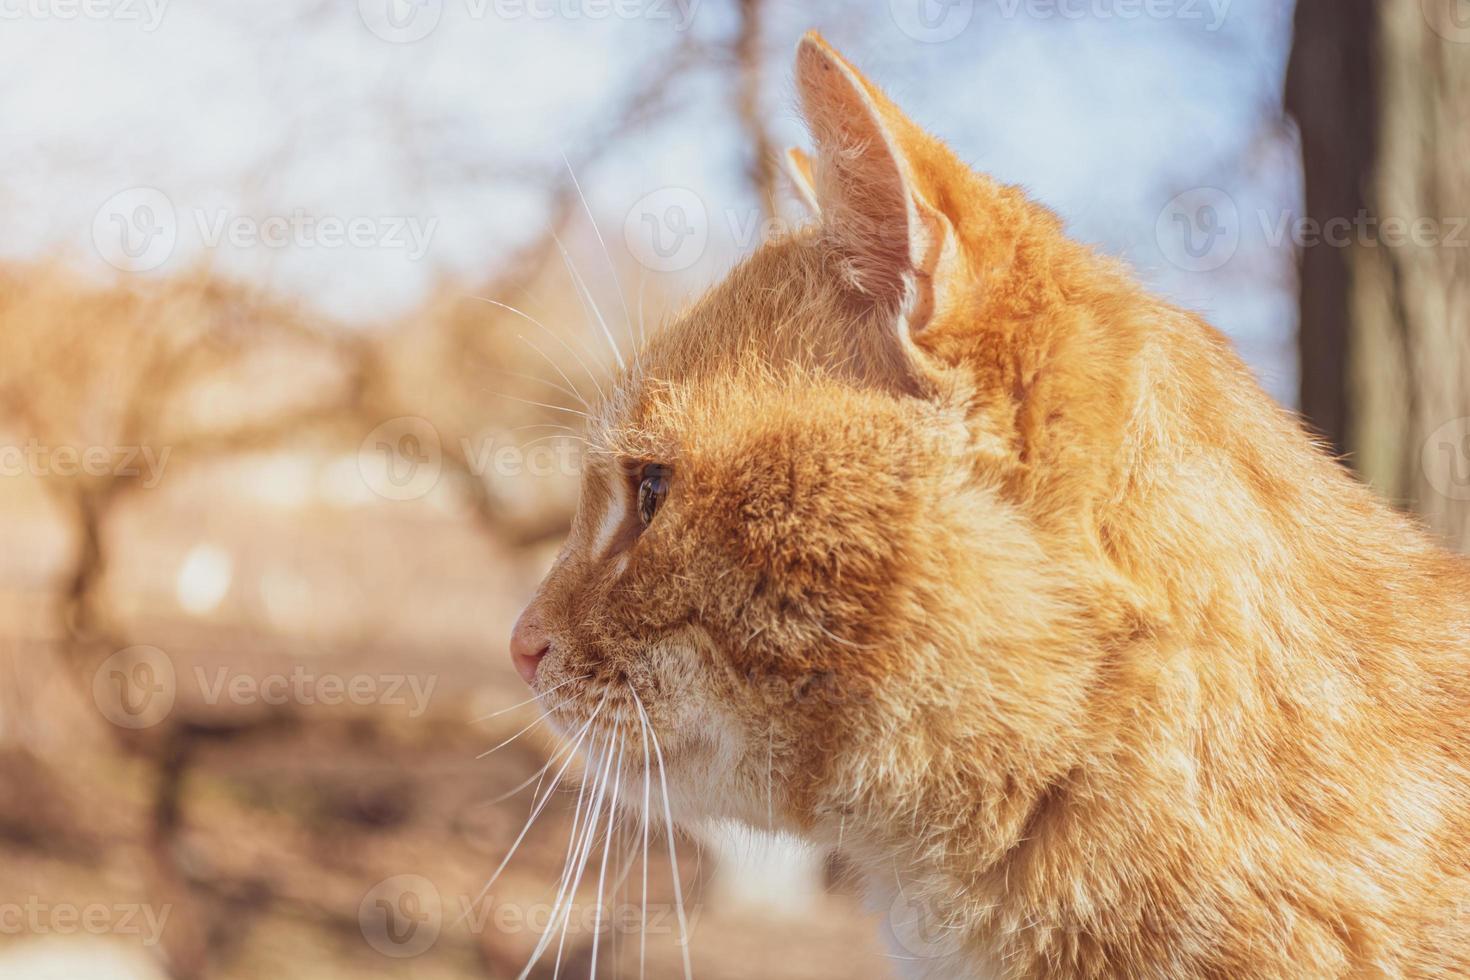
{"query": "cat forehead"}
(786, 302)
(778, 316)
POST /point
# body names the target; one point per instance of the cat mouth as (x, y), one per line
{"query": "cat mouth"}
(594, 723)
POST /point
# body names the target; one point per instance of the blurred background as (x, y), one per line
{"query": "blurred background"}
(295, 300)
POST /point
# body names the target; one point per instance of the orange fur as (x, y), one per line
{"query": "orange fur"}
(1007, 573)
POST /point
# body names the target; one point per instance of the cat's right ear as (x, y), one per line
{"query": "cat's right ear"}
(897, 249)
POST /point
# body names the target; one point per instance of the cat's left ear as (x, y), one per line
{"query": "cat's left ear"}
(897, 249)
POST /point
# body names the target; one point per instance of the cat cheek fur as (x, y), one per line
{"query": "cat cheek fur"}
(822, 530)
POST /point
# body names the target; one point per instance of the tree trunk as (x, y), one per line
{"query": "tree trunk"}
(1381, 92)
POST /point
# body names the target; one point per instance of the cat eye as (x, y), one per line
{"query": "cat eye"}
(652, 490)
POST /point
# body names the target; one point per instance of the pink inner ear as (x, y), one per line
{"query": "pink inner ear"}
(861, 181)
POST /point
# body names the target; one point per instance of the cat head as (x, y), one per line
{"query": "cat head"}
(809, 556)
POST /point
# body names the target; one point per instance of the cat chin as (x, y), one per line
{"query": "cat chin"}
(691, 771)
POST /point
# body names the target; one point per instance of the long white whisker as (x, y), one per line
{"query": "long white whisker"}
(589, 302)
(550, 333)
(569, 392)
(534, 697)
(618, 890)
(536, 777)
(611, 268)
(554, 366)
(538, 720)
(629, 854)
(647, 786)
(533, 778)
(584, 852)
(594, 812)
(574, 839)
(585, 838)
(673, 851)
(612, 809)
(536, 809)
(572, 747)
(528, 401)
(554, 435)
(617, 900)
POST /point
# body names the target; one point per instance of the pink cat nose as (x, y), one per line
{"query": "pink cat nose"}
(528, 644)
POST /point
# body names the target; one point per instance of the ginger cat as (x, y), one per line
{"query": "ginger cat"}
(930, 530)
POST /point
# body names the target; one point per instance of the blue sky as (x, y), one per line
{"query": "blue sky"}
(1106, 110)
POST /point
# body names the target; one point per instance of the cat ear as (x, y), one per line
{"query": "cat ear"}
(895, 246)
(799, 171)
